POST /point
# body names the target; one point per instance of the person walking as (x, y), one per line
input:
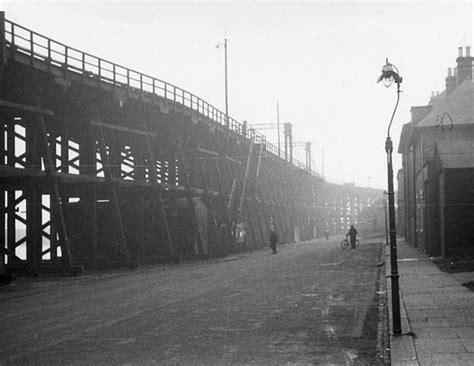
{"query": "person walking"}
(353, 236)
(326, 234)
(273, 241)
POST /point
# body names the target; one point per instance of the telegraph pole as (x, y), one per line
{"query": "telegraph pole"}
(278, 127)
(308, 156)
(226, 85)
(288, 142)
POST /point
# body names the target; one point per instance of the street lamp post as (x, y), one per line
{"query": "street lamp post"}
(389, 76)
(386, 221)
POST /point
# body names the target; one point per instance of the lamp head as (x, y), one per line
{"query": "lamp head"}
(389, 75)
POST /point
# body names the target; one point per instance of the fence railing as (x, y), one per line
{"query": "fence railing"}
(38, 47)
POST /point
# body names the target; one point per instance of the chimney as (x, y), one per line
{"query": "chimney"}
(451, 82)
(465, 69)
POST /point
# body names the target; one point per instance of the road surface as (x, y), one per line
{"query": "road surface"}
(304, 306)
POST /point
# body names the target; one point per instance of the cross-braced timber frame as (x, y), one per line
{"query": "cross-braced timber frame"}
(105, 166)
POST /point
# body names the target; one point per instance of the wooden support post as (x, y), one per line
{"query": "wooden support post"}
(138, 230)
(189, 195)
(56, 207)
(3, 243)
(108, 176)
(252, 223)
(157, 196)
(3, 59)
(208, 201)
(258, 225)
(139, 175)
(33, 197)
(232, 196)
(64, 151)
(11, 227)
(275, 199)
(115, 158)
(246, 177)
(269, 218)
(232, 176)
(3, 191)
(89, 205)
(88, 163)
(263, 221)
(283, 215)
(225, 212)
(220, 181)
(258, 197)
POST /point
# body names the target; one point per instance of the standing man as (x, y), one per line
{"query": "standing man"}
(273, 241)
(353, 236)
(326, 234)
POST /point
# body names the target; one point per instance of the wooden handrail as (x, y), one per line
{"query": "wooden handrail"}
(105, 68)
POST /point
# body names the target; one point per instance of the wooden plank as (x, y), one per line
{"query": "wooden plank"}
(123, 129)
(232, 160)
(56, 207)
(12, 172)
(26, 108)
(3, 59)
(108, 177)
(3, 231)
(246, 178)
(208, 200)
(88, 194)
(209, 152)
(225, 211)
(187, 185)
(33, 196)
(157, 196)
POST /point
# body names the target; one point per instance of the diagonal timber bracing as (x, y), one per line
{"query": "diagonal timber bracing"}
(158, 177)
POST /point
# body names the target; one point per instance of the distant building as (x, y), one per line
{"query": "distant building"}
(436, 182)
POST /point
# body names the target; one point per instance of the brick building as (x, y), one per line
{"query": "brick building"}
(436, 182)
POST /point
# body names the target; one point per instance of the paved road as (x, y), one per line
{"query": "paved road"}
(304, 306)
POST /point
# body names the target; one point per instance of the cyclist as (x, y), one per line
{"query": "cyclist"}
(353, 236)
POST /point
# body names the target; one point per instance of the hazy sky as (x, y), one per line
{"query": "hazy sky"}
(320, 60)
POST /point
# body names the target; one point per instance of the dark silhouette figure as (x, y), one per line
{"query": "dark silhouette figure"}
(273, 241)
(353, 236)
(326, 234)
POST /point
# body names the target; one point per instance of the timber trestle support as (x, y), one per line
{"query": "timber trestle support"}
(103, 166)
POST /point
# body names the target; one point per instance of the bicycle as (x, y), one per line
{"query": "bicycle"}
(345, 243)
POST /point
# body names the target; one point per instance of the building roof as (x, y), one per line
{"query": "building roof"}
(435, 99)
(404, 138)
(455, 154)
(457, 108)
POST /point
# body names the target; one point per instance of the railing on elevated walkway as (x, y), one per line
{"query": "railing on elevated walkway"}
(38, 47)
